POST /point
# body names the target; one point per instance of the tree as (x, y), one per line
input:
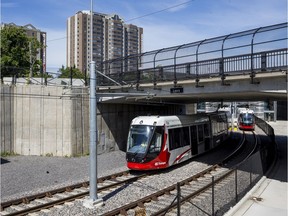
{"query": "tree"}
(68, 71)
(18, 52)
(35, 64)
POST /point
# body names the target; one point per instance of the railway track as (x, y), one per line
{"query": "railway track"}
(192, 189)
(248, 145)
(45, 200)
(158, 203)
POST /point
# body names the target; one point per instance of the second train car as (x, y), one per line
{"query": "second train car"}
(157, 142)
(246, 120)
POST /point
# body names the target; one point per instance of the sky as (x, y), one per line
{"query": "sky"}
(165, 24)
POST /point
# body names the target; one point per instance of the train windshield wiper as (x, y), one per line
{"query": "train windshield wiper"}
(136, 152)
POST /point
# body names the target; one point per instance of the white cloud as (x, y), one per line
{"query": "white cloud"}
(197, 22)
(216, 20)
(8, 5)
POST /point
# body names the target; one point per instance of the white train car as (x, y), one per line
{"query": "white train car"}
(246, 120)
(157, 142)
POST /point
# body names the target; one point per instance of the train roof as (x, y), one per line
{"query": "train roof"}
(247, 111)
(173, 120)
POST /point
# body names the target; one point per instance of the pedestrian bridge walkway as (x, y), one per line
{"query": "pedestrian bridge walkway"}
(258, 50)
(251, 63)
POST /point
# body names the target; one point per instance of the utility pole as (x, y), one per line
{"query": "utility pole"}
(93, 200)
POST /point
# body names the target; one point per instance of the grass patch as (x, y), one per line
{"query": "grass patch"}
(8, 154)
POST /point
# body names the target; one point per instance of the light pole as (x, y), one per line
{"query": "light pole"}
(93, 200)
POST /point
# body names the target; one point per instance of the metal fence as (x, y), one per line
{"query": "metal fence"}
(240, 180)
(257, 50)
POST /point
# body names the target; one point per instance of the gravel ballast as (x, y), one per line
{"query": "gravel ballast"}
(27, 175)
(24, 175)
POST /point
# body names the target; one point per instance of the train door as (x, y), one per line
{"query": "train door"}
(207, 137)
(194, 140)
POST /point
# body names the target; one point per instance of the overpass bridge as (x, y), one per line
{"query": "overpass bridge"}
(244, 66)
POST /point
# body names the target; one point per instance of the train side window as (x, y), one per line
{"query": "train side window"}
(171, 139)
(178, 137)
(174, 138)
(206, 130)
(156, 141)
(200, 133)
(222, 118)
(216, 127)
(186, 136)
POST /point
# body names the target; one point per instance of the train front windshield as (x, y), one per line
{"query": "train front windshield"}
(248, 119)
(139, 137)
(145, 139)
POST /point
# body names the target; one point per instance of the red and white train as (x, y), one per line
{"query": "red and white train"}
(157, 142)
(246, 120)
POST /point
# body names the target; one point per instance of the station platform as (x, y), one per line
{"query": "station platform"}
(269, 196)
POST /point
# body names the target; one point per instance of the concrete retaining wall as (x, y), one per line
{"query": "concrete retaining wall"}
(38, 120)
(46, 120)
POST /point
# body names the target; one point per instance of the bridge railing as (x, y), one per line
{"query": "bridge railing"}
(257, 50)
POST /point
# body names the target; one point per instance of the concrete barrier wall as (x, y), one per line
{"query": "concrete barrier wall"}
(42, 123)
(54, 121)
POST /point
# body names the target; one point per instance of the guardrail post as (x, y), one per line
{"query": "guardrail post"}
(178, 199)
(138, 80)
(213, 196)
(154, 78)
(221, 72)
(161, 73)
(188, 70)
(251, 168)
(236, 188)
(263, 61)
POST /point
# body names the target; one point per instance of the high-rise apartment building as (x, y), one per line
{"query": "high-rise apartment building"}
(41, 36)
(112, 38)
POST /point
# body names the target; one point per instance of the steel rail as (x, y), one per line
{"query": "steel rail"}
(194, 194)
(218, 180)
(26, 200)
(235, 152)
(140, 203)
(167, 190)
(255, 145)
(123, 209)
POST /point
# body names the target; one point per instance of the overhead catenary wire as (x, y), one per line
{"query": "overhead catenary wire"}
(69, 92)
(159, 11)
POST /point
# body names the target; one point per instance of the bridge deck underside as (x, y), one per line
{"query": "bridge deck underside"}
(265, 86)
